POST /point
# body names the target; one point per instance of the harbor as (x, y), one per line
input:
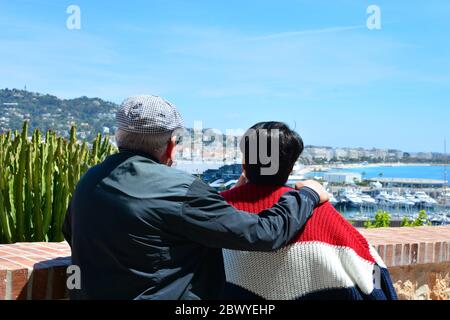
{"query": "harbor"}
(359, 192)
(360, 205)
(358, 196)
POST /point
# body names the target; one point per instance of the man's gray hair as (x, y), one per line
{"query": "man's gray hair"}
(152, 144)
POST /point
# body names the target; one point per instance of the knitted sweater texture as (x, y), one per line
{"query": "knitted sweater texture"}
(328, 260)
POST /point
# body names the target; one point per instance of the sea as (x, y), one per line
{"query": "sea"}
(418, 172)
(369, 172)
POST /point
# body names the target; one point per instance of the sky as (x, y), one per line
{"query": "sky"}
(312, 64)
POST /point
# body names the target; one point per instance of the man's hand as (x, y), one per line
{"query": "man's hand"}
(317, 187)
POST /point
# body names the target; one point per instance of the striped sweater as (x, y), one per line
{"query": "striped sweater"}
(328, 260)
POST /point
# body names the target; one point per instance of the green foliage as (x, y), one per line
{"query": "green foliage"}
(382, 220)
(420, 221)
(37, 179)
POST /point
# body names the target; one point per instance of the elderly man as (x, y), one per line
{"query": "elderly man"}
(142, 230)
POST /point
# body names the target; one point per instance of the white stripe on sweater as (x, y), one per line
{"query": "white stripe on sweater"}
(298, 270)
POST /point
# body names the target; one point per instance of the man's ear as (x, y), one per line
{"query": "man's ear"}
(170, 151)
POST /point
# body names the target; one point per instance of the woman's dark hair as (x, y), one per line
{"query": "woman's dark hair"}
(290, 148)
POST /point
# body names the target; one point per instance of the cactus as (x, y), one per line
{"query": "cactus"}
(19, 184)
(37, 180)
(37, 183)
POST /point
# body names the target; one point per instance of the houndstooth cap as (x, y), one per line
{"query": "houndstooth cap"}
(148, 115)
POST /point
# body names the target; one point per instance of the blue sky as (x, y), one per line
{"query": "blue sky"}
(312, 64)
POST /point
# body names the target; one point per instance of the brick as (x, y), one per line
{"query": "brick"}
(19, 284)
(7, 264)
(48, 249)
(414, 253)
(422, 252)
(3, 284)
(35, 258)
(429, 258)
(398, 255)
(390, 255)
(7, 251)
(438, 252)
(406, 235)
(406, 260)
(22, 262)
(33, 251)
(381, 251)
(445, 251)
(31, 268)
(448, 251)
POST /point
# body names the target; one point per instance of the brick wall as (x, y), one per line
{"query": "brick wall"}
(418, 259)
(410, 246)
(33, 271)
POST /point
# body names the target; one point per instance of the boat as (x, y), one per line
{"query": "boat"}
(442, 219)
(445, 198)
(410, 197)
(387, 200)
(367, 200)
(425, 200)
(402, 201)
(447, 195)
(352, 199)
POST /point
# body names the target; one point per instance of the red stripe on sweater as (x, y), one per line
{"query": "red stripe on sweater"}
(326, 225)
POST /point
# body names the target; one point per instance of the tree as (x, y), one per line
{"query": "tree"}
(420, 221)
(382, 220)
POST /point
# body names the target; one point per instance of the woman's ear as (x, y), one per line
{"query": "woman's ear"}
(243, 168)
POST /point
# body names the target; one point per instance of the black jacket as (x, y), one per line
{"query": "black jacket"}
(142, 230)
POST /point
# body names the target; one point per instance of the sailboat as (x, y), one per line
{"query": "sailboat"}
(446, 193)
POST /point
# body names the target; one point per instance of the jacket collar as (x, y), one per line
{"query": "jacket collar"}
(139, 153)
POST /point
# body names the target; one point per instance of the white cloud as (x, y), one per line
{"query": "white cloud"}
(290, 34)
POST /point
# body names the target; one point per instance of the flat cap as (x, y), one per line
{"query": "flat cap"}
(148, 114)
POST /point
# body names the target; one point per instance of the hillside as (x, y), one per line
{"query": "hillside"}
(91, 115)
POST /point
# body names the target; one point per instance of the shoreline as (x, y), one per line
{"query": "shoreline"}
(323, 168)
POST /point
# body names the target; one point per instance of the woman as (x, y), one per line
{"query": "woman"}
(329, 260)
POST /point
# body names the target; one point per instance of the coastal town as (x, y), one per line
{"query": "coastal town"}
(94, 115)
